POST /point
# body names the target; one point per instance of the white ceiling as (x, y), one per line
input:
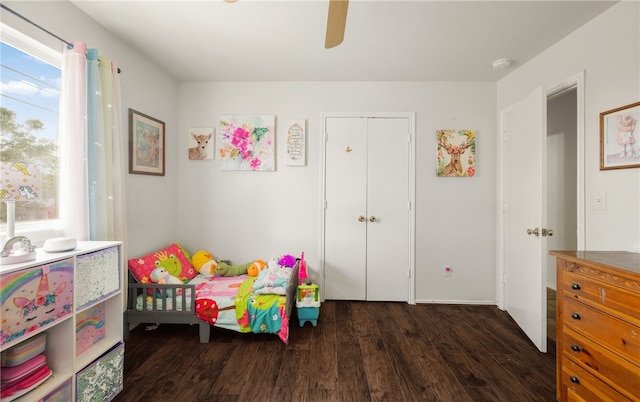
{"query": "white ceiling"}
(398, 40)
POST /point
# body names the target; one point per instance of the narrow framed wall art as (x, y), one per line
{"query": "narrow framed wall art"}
(146, 144)
(296, 142)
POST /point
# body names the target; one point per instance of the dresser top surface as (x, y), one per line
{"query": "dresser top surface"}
(625, 260)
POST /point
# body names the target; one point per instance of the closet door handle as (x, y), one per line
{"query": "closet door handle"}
(372, 218)
(361, 218)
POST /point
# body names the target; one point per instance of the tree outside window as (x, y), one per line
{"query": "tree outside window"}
(29, 92)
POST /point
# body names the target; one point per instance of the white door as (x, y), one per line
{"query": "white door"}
(523, 191)
(345, 242)
(367, 215)
(388, 207)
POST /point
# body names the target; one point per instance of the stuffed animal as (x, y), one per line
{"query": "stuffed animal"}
(204, 263)
(200, 258)
(256, 267)
(224, 269)
(161, 276)
(287, 260)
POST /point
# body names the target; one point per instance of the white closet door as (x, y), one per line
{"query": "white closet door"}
(388, 202)
(345, 243)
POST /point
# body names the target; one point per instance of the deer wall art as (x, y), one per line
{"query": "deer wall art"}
(452, 147)
(201, 150)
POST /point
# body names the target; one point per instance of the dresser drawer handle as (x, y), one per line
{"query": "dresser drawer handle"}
(575, 286)
(575, 316)
(574, 379)
(575, 348)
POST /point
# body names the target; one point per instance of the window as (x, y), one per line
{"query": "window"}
(29, 101)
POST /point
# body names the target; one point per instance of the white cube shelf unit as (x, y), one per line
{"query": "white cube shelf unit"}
(75, 298)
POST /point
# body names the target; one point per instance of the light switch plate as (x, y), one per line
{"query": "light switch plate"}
(600, 200)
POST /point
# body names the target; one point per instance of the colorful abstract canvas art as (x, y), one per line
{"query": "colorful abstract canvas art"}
(247, 142)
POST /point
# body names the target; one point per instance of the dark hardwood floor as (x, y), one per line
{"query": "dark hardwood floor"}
(360, 351)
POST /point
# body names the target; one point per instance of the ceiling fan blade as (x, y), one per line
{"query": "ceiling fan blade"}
(336, 23)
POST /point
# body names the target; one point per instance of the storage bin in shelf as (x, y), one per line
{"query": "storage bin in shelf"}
(103, 379)
(97, 276)
(60, 394)
(90, 327)
(35, 298)
(97, 329)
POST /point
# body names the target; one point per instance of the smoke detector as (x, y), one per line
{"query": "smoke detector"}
(501, 64)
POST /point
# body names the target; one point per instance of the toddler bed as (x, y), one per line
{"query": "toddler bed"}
(256, 304)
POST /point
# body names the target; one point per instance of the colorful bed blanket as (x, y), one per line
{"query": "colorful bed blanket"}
(261, 313)
(254, 313)
(273, 280)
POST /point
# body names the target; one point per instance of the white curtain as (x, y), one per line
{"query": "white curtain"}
(91, 158)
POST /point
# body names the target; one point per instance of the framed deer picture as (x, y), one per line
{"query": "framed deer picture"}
(201, 143)
(456, 155)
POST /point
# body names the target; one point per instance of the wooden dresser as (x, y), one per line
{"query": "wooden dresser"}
(598, 326)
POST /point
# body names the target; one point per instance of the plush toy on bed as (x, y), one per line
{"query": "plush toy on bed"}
(205, 264)
(255, 268)
(224, 269)
(161, 276)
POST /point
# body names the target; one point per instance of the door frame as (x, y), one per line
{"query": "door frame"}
(412, 188)
(574, 82)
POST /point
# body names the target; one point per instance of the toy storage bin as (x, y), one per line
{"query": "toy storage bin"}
(308, 304)
(35, 298)
(97, 276)
(103, 379)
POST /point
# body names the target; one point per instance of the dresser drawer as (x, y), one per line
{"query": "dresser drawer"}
(602, 295)
(614, 370)
(578, 385)
(617, 335)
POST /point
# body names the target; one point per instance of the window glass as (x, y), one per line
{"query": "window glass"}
(29, 102)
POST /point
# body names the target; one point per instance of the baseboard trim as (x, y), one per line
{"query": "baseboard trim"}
(471, 302)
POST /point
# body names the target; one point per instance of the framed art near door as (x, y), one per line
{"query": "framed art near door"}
(619, 142)
(146, 144)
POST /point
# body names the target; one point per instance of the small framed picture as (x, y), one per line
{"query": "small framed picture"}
(146, 144)
(619, 147)
(201, 143)
(296, 142)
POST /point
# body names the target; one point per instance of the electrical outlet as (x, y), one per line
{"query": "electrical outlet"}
(446, 272)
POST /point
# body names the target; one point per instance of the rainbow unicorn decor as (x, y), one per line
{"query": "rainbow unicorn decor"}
(34, 298)
(90, 327)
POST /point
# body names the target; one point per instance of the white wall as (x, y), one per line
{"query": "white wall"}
(151, 200)
(247, 215)
(608, 50)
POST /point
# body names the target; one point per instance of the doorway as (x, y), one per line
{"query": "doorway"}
(562, 190)
(524, 265)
